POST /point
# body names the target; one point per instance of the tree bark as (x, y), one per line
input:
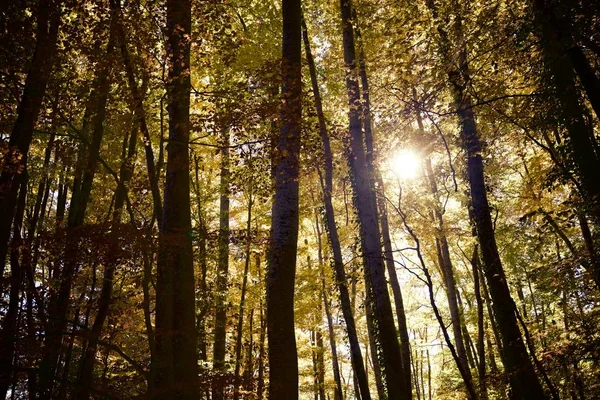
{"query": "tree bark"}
(522, 377)
(48, 21)
(568, 109)
(480, 327)
(332, 233)
(82, 187)
(9, 332)
(382, 208)
(218, 383)
(368, 220)
(283, 357)
(240, 324)
(175, 337)
(86, 373)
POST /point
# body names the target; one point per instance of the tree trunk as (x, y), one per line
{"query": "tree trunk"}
(59, 302)
(523, 380)
(448, 274)
(176, 361)
(372, 335)
(240, 324)
(368, 220)
(140, 115)
(86, 374)
(283, 357)
(260, 386)
(332, 233)
(203, 300)
(218, 383)
(480, 327)
(569, 110)
(9, 332)
(48, 21)
(334, 355)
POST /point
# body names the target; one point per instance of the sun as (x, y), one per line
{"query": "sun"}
(405, 164)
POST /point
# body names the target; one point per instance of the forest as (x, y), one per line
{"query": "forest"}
(300, 199)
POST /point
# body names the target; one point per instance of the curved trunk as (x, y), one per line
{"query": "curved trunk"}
(369, 222)
(332, 233)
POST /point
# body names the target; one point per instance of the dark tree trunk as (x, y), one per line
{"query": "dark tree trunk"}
(372, 345)
(447, 269)
(175, 337)
(218, 384)
(59, 302)
(140, 115)
(368, 219)
(522, 377)
(337, 395)
(480, 327)
(48, 21)
(382, 208)
(568, 107)
(283, 358)
(394, 283)
(9, 332)
(203, 301)
(332, 233)
(86, 373)
(260, 386)
(240, 324)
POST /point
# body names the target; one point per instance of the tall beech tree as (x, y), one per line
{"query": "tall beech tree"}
(365, 202)
(48, 22)
(283, 362)
(176, 365)
(521, 373)
(332, 230)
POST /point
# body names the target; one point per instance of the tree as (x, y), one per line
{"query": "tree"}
(283, 363)
(176, 366)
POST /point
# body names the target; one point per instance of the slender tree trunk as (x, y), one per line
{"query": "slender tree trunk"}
(140, 114)
(368, 218)
(372, 335)
(260, 386)
(472, 394)
(249, 365)
(85, 379)
(176, 361)
(218, 383)
(332, 233)
(9, 332)
(334, 354)
(59, 302)
(522, 377)
(240, 324)
(203, 301)
(448, 273)
(480, 327)
(394, 283)
(48, 21)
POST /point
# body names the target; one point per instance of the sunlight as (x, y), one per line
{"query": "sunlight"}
(405, 163)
